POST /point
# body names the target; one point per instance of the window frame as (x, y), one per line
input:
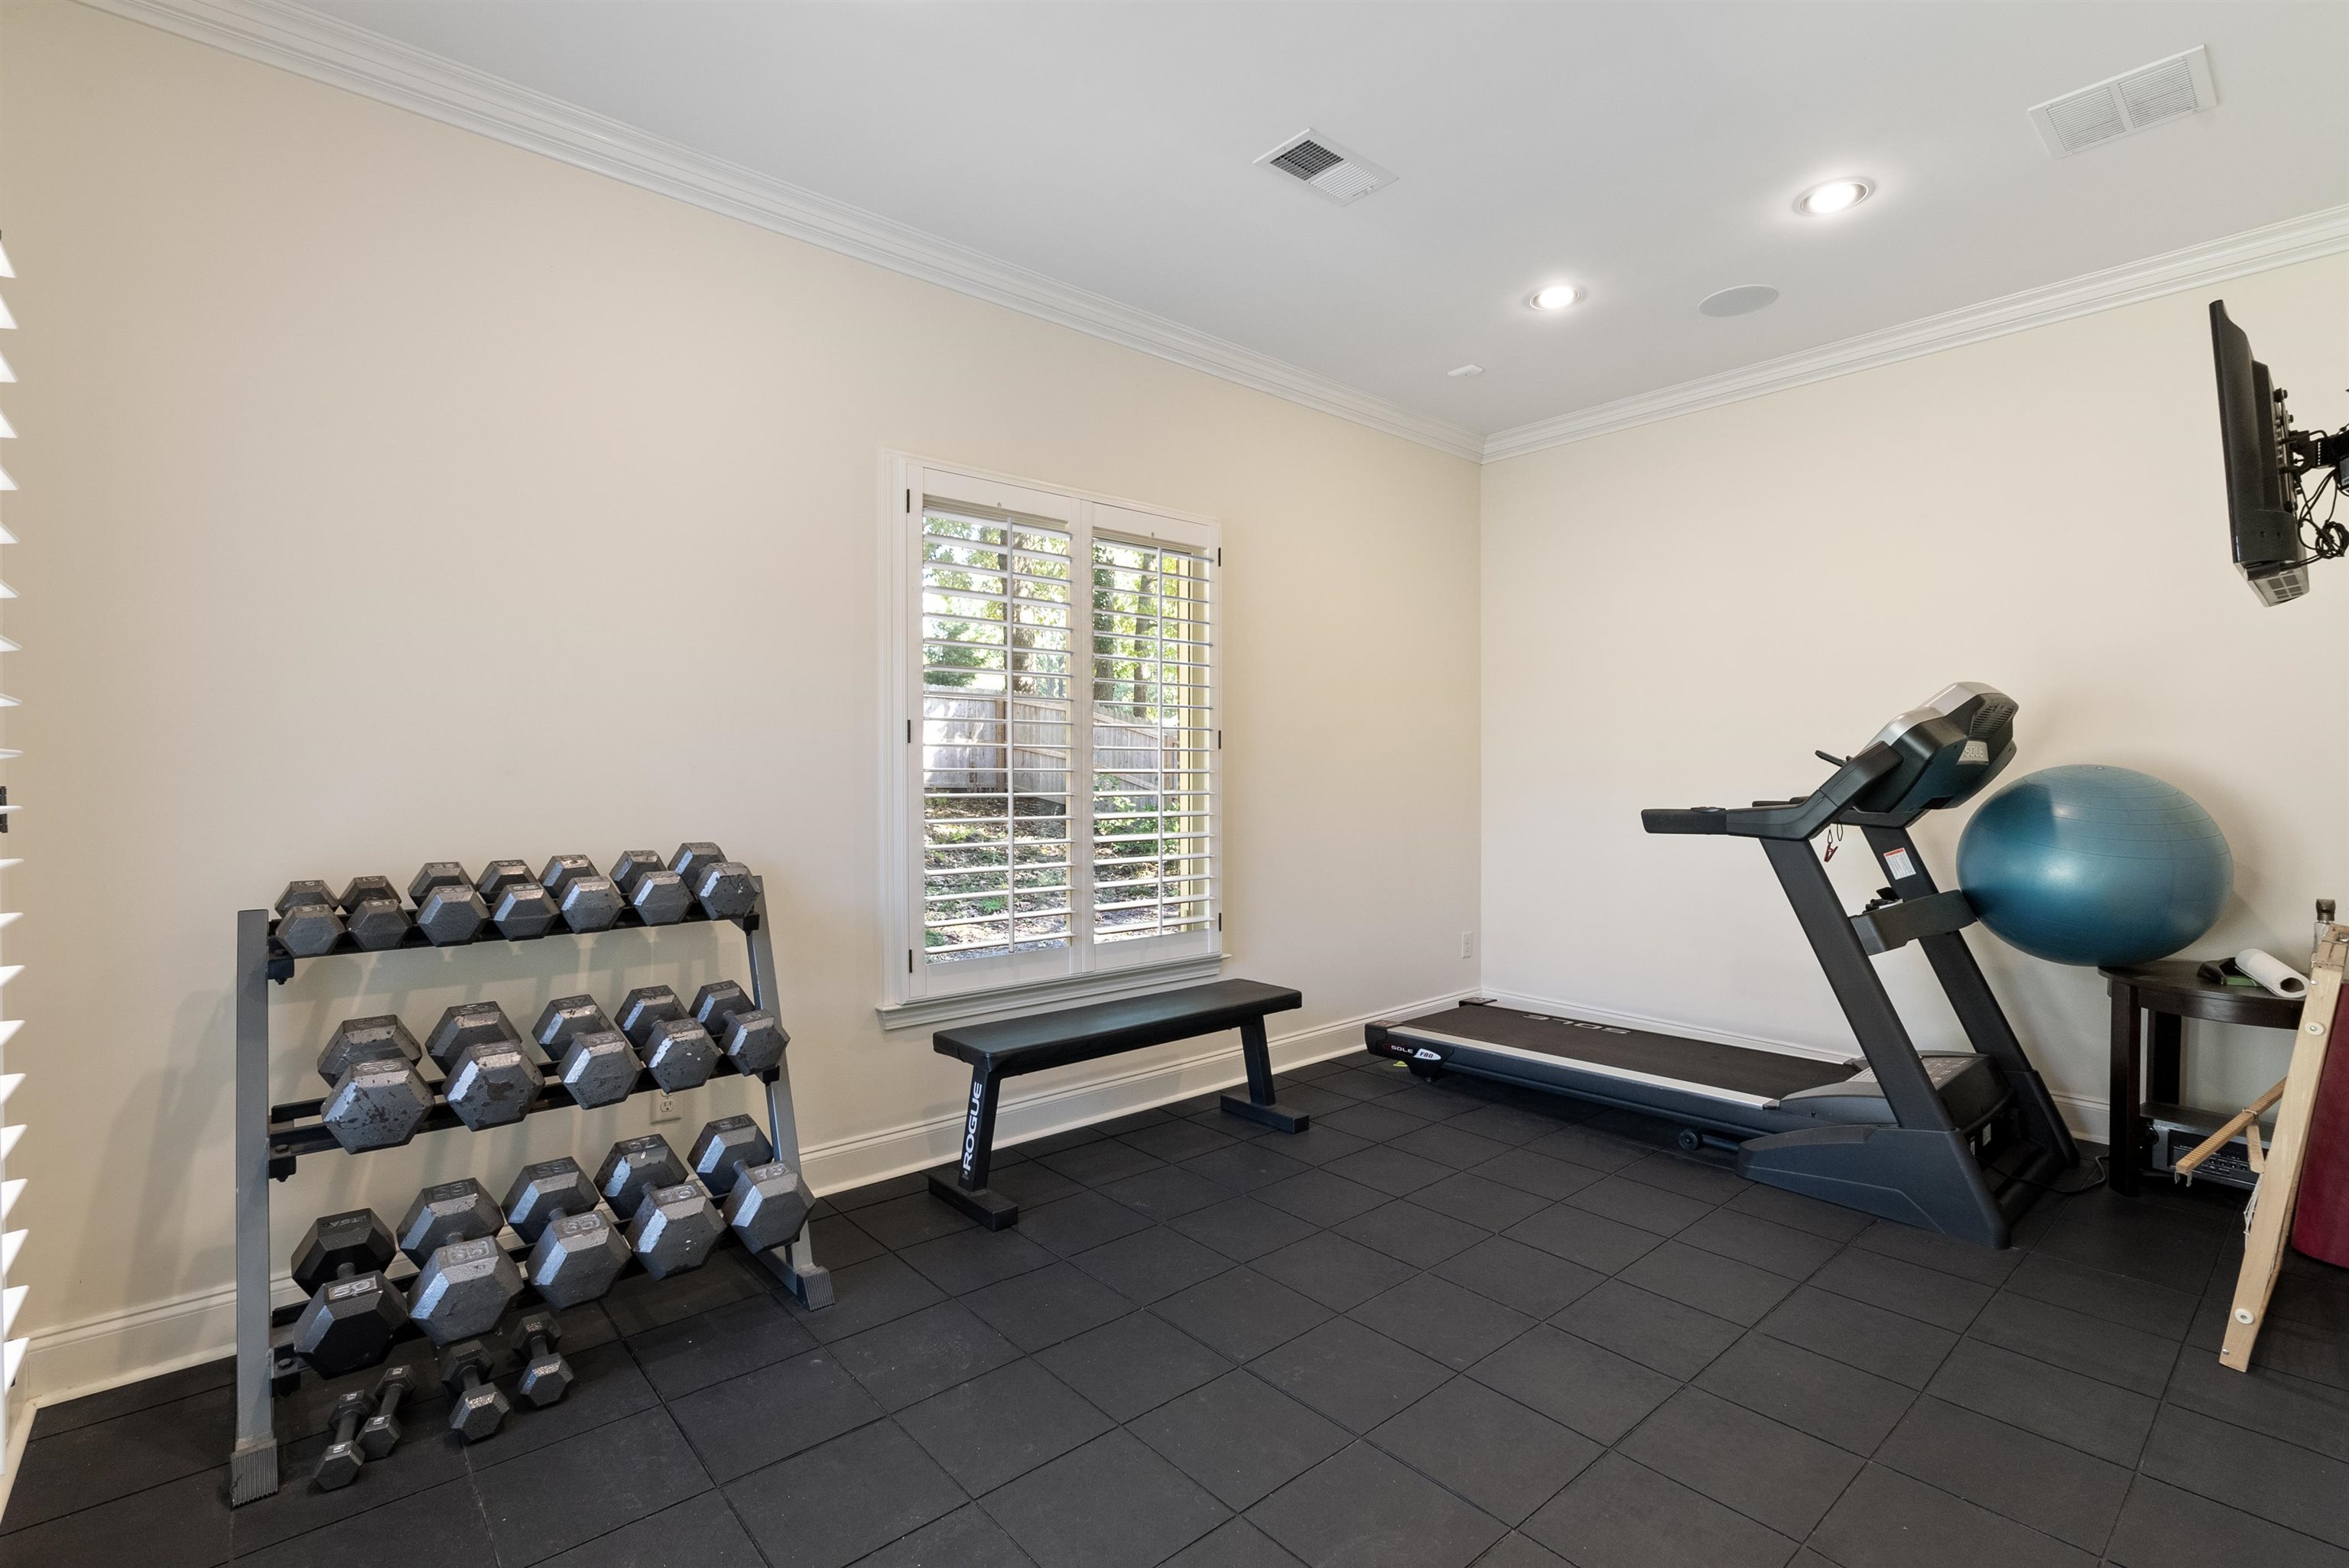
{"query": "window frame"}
(917, 993)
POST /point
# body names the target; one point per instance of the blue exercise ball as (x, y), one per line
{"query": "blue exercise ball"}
(2091, 864)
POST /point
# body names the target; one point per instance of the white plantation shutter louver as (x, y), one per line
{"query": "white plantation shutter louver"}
(1059, 743)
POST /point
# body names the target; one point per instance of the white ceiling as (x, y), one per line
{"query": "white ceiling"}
(1648, 152)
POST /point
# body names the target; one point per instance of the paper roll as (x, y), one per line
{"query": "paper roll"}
(2272, 971)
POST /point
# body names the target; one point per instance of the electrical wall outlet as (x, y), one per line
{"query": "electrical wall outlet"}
(665, 1106)
(1467, 944)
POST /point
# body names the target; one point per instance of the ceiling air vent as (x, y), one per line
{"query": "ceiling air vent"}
(1327, 168)
(2128, 103)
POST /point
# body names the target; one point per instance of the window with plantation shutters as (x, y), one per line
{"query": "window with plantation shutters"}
(1057, 751)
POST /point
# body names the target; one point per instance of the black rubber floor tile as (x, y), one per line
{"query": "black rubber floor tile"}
(1531, 1281)
(1242, 1228)
(1111, 1503)
(1150, 1264)
(924, 1354)
(1393, 1170)
(448, 1516)
(1376, 1122)
(839, 1240)
(1359, 1509)
(701, 1532)
(1239, 1438)
(1927, 1294)
(900, 1222)
(108, 1460)
(606, 1386)
(1002, 1425)
(1764, 1468)
(2032, 1479)
(182, 1523)
(430, 1457)
(2085, 1412)
(2279, 1481)
(1449, 1143)
(2313, 1414)
(1651, 1209)
(1506, 1458)
(1621, 1514)
(1337, 1273)
(1028, 1183)
(1836, 1225)
(968, 1260)
(744, 1422)
(852, 1198)
(866, 1296)
(1872, 1338)
(1593, 1240)
(1314, 1099)
(966, 1538)
(1677, 1340)
(163, 1388)
(2077, 1342)
(2306, 1292)
(2162, 1527)
(1504, 1123)
(1242, 1314)
(1355, 1376)
(1244, 1167)
(1710, 1283)
(1709, 1178)
(1079, 1223)
(2137, 1241)
(1132, 1364)
(1853, 1409)
(1165, 1192)
(1317, 1145)
(1095, 1165)
(1047, 1305)
(1886, 1519)
(1515, 1550)
(1592, 1151)
(2113, 1297)
(1320, 1197)
(1983, 1265)
(1135, 1120)
(1234, 1543)
(575, 1490)
(832, 1504)
(1372, 1080)
(739, 1337)
(1765, 1244)
(1576, 1383)
(1446, 1322)
(1465, 1195)
(1538, 1174)
(1420, 1237)
(1178, 1139)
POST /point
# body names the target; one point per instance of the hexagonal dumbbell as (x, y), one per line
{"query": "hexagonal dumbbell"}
(354, 1313)
(586, 899)
(375, 1097)
(491, 1079)
(380, 1432)
(477, 1408)
(448, 910)
(306, 922)
(634, 1166)
(675, 1047)
(575, 1252)
(765, 1202)
(593, 1060)
(721, 887)
(747, 1036)
(340, 1464)
(672, 1225)
(657, 894)
(372, 913)
(545, 1375)
(464, 1280)
(519, 906)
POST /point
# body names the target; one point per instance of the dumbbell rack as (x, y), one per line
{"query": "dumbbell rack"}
(271, 1139)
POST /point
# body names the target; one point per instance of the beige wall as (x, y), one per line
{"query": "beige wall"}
(1677, 615)
(391, 494)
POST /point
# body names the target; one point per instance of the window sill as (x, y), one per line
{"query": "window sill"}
(979, 1006)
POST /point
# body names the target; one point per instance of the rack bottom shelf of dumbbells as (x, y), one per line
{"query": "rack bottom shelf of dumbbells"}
(271, 1139)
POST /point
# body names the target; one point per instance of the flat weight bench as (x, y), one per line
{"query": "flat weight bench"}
(1009, 1047)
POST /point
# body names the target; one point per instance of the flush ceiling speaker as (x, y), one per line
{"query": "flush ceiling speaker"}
(2124, 105)
(1742, 300)
(1326, 168)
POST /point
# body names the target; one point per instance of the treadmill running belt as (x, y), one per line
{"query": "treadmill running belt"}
(1769, 1074)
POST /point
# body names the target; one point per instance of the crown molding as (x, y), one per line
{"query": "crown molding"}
(2320, 233)
(327, 49)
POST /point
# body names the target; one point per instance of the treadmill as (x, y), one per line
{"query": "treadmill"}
(1955, 1143)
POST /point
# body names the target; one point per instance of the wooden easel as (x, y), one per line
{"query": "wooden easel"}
(2268, 1220)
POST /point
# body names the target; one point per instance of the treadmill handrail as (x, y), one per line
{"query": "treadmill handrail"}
(1797, 819)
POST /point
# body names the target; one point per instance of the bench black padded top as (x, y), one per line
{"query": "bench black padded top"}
(1040, 1040)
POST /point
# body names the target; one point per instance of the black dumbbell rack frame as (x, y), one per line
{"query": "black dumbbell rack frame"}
(271, 1139)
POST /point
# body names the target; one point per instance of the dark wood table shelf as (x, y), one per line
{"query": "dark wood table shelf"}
(2168, 993)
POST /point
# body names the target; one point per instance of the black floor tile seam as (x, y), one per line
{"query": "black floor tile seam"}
(1811, 1542)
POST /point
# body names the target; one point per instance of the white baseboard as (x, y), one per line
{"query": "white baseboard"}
(107, 1351)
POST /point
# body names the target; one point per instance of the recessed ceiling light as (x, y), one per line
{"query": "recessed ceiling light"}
(1742, 300)
(1467, 370)
(1557, 296)
(1835, 196)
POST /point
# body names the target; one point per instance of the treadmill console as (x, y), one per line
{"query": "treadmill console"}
(1948, 750)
